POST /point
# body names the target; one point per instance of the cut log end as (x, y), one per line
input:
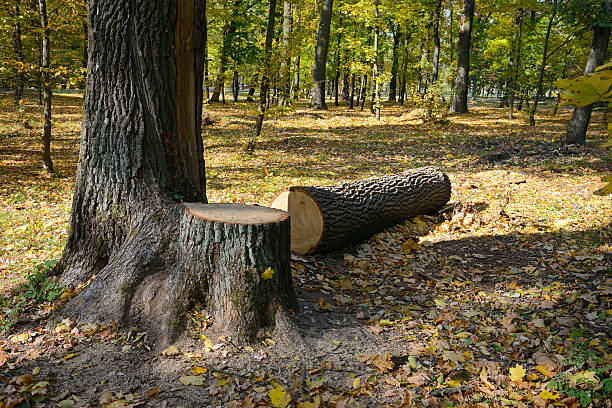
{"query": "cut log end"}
(241, 214)
(306, 219)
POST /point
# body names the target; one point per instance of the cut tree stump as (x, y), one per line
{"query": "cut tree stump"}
(331, 217)
(244, 253)
(178, 255)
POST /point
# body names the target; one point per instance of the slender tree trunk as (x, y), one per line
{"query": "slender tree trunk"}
(39, 74)
(320, 62)
(515, 67)
(436, 42)
(459, 104)
(375, 73)
(252, 86)
(285, 80)
(265, 77)
(352, 95)
(404, 79)
(451, 32)
(538, 94)
(394, 64)
(46, 77)
(364, 91)
(18, 52)
(206, 81)
(296, 78)
(85, 57)
(579, 122)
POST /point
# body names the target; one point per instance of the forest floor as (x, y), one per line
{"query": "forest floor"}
(503, 299)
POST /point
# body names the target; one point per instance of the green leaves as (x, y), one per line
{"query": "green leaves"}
(587, 89)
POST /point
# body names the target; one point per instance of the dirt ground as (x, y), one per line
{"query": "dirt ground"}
(501, 299)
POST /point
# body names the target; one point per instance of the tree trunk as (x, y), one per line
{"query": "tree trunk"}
(579, 122)
(285, 71)
(331, 217)
(459, 104)
(18, 52)
(538, 95)
(364, 91)
(375, 73)
(346, 86)
(320, 62)
(394, 65)
(436, 42)
(46, 79)
(235, 85)
(352, 95)
(252, 88)
(141, 151)
(85, 55)
(515, 66)
(265, 77)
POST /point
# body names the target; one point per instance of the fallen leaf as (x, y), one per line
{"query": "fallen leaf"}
(153, 392)
(452, 356)
(192, 380)
(517, 373)
(199, 370)
(278, 397)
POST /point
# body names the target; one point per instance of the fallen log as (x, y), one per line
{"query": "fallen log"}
(330, 217)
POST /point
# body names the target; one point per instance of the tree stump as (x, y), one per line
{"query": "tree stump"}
(235, 245)
(180, 254)
(331, 217)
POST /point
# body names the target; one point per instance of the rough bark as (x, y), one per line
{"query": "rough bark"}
(331, 217)
(579, 122)
(18, 53)
(46, 85)
(459, 104)
(320, 62)
(141, 150)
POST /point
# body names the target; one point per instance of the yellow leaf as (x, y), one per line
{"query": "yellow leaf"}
(69, 356)
(356, 383)
(517, 373)
(268, 274)
(278, 397)
(192, 380)
(547, 395)
(199, 370)
(583, 377)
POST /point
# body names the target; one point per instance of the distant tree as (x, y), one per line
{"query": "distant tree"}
(459, 104)
(46, 79)
(320, 61)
